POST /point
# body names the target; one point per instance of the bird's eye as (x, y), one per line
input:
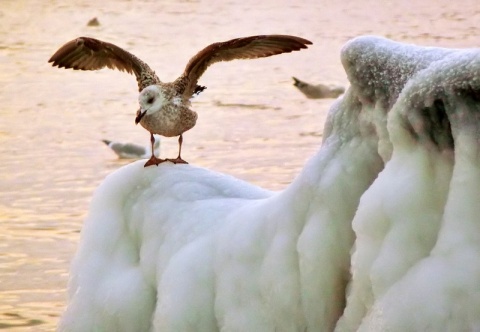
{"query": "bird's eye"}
(150, 100)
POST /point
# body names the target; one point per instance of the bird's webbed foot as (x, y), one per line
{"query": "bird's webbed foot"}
(177, 160)
(154, 161)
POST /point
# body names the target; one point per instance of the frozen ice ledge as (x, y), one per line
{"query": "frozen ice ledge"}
(379, 232)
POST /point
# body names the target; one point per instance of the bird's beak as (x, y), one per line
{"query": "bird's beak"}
(140, 114)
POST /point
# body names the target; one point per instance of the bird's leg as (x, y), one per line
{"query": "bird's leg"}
(153, 160)
(179, 159)
(152, 142)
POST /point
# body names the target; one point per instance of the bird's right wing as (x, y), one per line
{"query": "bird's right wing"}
(240, 48)
(86, 53)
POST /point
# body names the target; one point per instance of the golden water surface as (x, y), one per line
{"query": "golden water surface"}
(252, 124)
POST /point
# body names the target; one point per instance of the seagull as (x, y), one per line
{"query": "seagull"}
(130, 150)
(165, 107)
(318, 91)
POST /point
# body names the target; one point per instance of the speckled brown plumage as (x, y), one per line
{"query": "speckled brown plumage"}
(173, 120)
(168, 112)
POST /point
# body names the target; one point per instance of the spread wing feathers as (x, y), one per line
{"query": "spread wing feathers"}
(92, 54)
(240, 48)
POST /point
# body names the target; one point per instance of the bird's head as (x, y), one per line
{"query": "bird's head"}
(151, 100)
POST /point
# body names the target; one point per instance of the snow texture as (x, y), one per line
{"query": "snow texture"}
(379, 232)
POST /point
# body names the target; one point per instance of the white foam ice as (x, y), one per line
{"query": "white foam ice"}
(416, 263)
(380, 231)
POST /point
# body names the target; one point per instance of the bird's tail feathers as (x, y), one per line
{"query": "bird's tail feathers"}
(198, 89)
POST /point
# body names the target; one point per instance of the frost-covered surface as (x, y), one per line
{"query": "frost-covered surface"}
(416, 260)
(388, 209)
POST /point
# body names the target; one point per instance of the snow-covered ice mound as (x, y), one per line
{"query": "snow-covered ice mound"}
(380, 231)
(416, 258)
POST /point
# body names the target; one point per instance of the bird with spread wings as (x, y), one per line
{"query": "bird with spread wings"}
(165, 107)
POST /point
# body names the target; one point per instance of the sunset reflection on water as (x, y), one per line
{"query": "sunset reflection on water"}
(252, 123)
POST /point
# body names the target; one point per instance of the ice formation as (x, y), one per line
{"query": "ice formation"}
(380, 231)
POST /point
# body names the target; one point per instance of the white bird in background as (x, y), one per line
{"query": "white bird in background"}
(131, 150)
(318, 91)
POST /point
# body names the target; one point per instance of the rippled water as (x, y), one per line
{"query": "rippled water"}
(252, 123)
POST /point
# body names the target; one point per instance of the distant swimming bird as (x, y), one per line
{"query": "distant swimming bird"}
(164, 107)
(94, 22)
(318, 91)
(132, 151)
